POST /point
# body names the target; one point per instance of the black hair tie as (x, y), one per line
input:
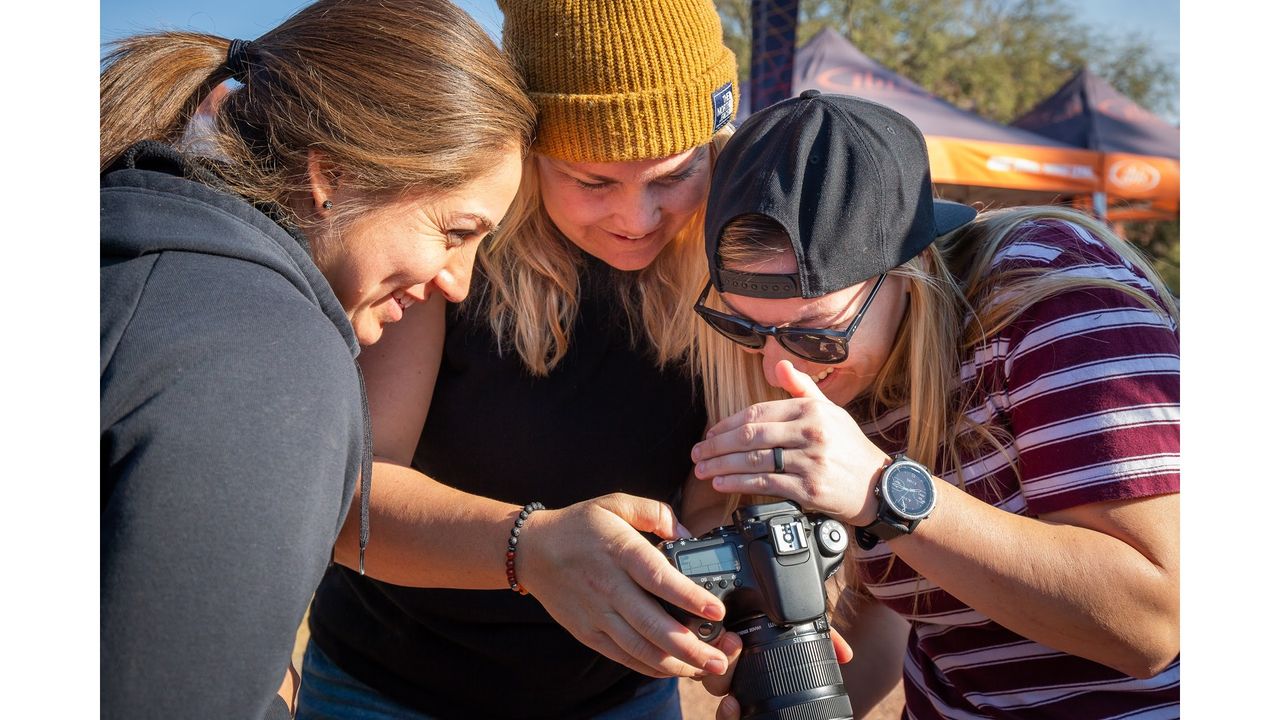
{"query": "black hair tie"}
(238, 59)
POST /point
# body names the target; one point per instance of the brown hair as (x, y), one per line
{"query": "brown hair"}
(398, 95)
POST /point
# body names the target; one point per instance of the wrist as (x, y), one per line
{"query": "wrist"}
(870, 498)
(517, 545)
(905, 495)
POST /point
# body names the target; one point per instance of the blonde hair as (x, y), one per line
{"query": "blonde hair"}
(399, 95)
(956, 305)
(533, 295)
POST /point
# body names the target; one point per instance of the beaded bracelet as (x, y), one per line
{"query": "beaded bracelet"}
(514, 540)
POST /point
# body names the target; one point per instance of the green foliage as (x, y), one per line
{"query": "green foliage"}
(1159, 241)
(998, 58)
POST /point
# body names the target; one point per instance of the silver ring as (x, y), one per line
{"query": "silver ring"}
(778, 465)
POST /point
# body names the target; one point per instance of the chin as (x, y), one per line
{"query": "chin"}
(619, 256)
(369, 334)
(845, 390)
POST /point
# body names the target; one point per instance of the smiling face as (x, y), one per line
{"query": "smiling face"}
(384, 260)
(868, 348)
(624, 213)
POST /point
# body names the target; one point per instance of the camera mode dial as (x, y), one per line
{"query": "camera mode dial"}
(832, 537)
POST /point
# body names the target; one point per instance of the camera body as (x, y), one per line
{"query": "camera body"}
(771, 562)
(769, 568)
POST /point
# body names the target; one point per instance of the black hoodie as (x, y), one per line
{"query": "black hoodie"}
(231, 440)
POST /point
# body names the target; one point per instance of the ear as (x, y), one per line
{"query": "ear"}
(323, 176)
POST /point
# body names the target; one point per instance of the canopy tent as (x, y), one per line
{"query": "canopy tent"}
(1140, 151)
(967, 152)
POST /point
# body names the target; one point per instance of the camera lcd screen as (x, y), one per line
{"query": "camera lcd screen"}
(706, 561)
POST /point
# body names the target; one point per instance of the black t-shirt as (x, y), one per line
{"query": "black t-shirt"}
(605, 419)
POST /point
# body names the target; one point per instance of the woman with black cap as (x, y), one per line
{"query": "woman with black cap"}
(990, 403)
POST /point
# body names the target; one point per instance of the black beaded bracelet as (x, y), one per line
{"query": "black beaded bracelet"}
(514, 541)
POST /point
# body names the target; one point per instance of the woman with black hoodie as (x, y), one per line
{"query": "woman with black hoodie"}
(367, 151)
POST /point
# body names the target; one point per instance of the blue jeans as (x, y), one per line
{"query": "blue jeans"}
(329, 693)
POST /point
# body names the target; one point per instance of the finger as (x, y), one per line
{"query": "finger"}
(798, 384)
(645, 515)
(601, 642)
(757, 461)
(729, 709)
(731, 645)
(844, 651)
(774, 484)
(657, 625)
(651, 634)
(653, 573)
(651, 570)
(771, 411)
(759, 435)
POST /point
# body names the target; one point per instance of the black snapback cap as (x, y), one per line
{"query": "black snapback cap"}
(848, 179)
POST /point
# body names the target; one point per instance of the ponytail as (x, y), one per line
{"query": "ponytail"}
(152, 86)
(399, 95)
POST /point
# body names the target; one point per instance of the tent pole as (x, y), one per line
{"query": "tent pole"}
(1100, 205)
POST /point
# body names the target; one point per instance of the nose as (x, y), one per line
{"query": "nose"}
(454, 279)
(770, 354)
(640, 214)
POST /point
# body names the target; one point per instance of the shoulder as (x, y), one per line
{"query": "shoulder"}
(1046, 267)
(219, 330)
(1060, 245)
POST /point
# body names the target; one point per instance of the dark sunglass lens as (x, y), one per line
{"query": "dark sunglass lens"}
(818, 348)
(735, 331)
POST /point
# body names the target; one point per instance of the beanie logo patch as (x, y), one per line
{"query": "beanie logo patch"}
(722, 105)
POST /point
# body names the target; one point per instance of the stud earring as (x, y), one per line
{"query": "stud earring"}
(327, 204)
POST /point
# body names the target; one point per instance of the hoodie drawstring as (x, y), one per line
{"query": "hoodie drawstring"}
(366, 469)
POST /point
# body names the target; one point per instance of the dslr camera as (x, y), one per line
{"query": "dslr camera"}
(769, 569)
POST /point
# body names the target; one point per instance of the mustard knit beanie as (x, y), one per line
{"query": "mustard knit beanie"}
(619, 80)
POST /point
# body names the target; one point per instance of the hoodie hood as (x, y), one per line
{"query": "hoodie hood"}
(153, 195)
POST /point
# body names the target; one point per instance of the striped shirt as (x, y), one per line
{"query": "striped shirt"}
(1085, 384)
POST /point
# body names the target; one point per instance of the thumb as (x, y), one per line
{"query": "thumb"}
(795, 382)
(645, 515)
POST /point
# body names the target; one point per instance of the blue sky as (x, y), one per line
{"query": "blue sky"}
(1157, 20)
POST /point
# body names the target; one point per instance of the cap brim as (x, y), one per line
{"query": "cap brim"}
(949, 216)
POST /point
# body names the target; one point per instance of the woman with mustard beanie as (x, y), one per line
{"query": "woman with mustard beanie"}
(508, 570)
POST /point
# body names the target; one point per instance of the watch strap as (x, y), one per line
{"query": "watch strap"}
(883, 528)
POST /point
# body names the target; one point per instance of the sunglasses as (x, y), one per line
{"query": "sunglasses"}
(825, 346)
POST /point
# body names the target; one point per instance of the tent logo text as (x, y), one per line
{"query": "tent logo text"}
(1133, 175)
(1005, 163)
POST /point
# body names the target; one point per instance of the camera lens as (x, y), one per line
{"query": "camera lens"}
(789, 673)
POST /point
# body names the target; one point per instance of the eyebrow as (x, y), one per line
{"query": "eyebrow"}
(483, 222)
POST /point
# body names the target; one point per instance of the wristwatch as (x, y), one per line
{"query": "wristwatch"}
(906, 495)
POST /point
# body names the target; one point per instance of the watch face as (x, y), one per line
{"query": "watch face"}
(908, 489)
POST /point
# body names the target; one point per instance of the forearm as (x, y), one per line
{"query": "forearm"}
(423, 533)
(1065, 586)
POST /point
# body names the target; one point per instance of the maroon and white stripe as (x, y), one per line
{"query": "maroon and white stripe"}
(1086, 383)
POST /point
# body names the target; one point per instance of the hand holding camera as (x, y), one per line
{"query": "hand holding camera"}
(769, 568)
(595, 573)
